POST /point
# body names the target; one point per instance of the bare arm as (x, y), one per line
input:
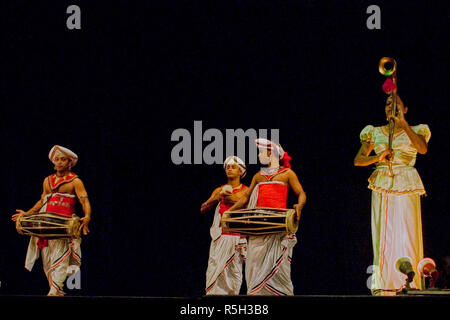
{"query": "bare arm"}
(82, 195)
(213, 199)
(417, 140)
(297, 188)
(362, 158)
(36, 207)
(242, 202)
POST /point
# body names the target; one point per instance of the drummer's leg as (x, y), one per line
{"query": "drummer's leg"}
(57, 258)
(235, 270)
(225, 264)
(256, 253)
(281, 283)
(46, 259)
(268, 269)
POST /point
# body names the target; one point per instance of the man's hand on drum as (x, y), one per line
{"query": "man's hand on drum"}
(84, 226)
(18, 214)
(298, 211)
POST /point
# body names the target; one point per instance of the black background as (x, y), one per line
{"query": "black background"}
(114, 91)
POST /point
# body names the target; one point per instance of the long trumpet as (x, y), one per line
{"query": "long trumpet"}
(388, 68)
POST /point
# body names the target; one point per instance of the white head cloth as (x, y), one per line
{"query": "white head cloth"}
(61, 151)
(237, 161)
(267, 144)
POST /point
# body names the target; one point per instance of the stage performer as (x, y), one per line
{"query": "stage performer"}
(60, 257)
(395, 211)
(268, 265)
(227, 251)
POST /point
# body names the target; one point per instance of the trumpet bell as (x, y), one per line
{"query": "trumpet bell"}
(387, 66)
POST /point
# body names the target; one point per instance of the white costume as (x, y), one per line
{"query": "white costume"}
(396, 211)
(227, 251)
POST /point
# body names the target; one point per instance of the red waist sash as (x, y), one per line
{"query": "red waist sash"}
(272, 195)
(61, 205)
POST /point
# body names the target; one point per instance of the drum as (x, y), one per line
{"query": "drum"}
(260, 221)
(48, 225)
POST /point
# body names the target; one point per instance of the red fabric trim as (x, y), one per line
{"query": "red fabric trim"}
(286, 159)
(56, 181)
(61, 260)
(61, 205)
(275, 269)
(215, 281)
(373, 187)
(231, 234)
(385, 230)
(42, 243)
(270, 289)
(224, 207)
(269, 177)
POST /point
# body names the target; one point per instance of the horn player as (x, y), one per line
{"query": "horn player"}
(395, 210)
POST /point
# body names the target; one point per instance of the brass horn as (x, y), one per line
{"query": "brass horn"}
(387, 66)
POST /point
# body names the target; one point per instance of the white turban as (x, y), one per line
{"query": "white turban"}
(237, 161)
(61, 151)
(267, 144)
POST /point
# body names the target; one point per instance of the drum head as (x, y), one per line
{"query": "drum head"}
(291, 224)
(74, 227)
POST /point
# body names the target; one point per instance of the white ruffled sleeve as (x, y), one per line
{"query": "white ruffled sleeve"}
(366, 134)
(423, 130)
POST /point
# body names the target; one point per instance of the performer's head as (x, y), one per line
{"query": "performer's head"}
(63, 158)
(271, 153)
(234, 167)
(389, 105)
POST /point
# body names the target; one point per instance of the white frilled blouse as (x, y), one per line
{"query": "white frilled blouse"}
(406, 179)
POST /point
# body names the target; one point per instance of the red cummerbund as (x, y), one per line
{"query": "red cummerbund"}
(272, 195)
(62, 205)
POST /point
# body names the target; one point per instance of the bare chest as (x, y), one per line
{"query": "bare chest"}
(282, 177)
(67, 187)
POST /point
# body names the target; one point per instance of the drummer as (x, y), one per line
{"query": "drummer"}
(227, 250)
(268, 264)
(60, 191)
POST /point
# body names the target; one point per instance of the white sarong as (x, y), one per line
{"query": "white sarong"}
(226, 257)
(268, 264)
(396, 233)
(60, 259)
